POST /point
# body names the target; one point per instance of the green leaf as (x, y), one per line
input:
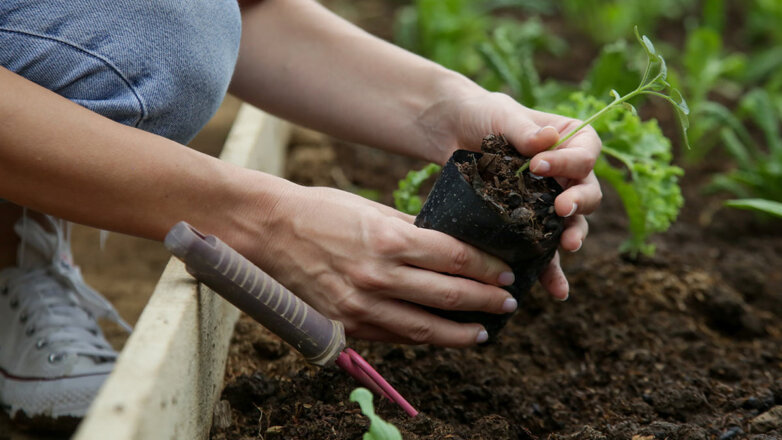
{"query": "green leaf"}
(644, 177)
(646, 43)
(379, 429)
(406, 198)
(757, 104)
(760, 205)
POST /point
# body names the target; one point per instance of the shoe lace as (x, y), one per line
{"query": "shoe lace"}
(57, 301)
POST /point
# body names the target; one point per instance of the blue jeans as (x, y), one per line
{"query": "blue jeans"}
(159, 65)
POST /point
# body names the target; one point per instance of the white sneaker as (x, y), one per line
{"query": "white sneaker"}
(53, 355)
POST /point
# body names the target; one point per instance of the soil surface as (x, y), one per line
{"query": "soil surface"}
(684, 345)
(522, 199)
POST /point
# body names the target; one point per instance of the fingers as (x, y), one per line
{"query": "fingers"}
(583, 197)
(417, 326)
(439, 252)
(573, 163)
(553, 280)
(575, 232)
(449, 292)
(530, 138)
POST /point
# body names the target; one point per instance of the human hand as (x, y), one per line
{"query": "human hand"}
(368, 266)
(463, 122)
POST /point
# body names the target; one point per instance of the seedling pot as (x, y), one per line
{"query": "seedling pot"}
(455, 208)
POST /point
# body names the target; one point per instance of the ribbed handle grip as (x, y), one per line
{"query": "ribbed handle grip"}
(254, 292)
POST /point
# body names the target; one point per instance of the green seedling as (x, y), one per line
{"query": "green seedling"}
(653, 82)
(406, 198)
(379, 429)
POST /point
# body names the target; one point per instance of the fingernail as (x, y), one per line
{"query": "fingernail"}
(541, 167)
(483, 336)
(580, 243)
(540, 130)
(573, 210)
(509, 305)
(506, 278)
(567, 295)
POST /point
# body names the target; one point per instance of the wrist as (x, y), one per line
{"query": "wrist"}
(250, 209)
(441, 120)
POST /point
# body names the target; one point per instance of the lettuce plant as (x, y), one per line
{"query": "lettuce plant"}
(646, 183)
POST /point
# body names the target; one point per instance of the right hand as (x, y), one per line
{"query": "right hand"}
(368, 266)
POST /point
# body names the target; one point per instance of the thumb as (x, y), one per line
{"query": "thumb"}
(530, 138)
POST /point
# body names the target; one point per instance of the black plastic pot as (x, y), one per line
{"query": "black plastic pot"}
(454, 207)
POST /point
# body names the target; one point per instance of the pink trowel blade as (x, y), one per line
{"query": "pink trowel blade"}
(359, 368)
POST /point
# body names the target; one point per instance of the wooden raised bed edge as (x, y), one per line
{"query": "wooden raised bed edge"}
(170, 373)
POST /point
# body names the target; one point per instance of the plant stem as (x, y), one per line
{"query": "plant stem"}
(593, 118)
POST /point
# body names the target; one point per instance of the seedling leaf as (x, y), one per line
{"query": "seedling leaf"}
(379, 429)
(646, 43)
(406, 198)
(759, 205)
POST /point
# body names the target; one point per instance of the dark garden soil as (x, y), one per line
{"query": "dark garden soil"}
(684, 345)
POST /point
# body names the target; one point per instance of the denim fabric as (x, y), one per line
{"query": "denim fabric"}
(159, 65)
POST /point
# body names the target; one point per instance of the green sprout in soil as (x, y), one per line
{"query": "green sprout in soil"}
(653, 82)
(379, 429)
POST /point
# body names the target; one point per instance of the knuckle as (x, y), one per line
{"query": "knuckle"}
(366, 277)
(459, 258)
(421, 332)
(450, 299)
(387, 240)
(352, 307)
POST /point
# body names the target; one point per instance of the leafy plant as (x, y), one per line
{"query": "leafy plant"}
(379, 429)
(609, 20)
(653, 82)
(757, 180)
(708, 71)
(406, 198)
(646, 183)
(636, 162)
(462, 35)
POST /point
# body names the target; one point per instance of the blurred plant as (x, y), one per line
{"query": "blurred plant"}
(609, 20)
(707, 70)
(757, 179)
(463, 35)
(406, 198)
(763, 22)
(379, 429)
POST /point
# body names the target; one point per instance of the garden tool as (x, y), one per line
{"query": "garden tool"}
(251, 290)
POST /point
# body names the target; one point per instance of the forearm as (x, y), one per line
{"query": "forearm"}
(301, 62)
(62, 159)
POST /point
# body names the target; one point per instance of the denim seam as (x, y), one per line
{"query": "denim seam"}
(96, 56)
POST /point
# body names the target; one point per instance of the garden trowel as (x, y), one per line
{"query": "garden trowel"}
(251, 290)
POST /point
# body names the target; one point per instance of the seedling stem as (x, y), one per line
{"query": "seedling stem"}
(646, 87)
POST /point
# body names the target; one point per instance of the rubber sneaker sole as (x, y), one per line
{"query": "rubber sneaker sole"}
(38, 400)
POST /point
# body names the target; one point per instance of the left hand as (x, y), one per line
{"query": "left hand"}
(463, 122)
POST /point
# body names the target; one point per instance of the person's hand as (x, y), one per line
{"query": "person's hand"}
(368, 266)
(463, 122)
